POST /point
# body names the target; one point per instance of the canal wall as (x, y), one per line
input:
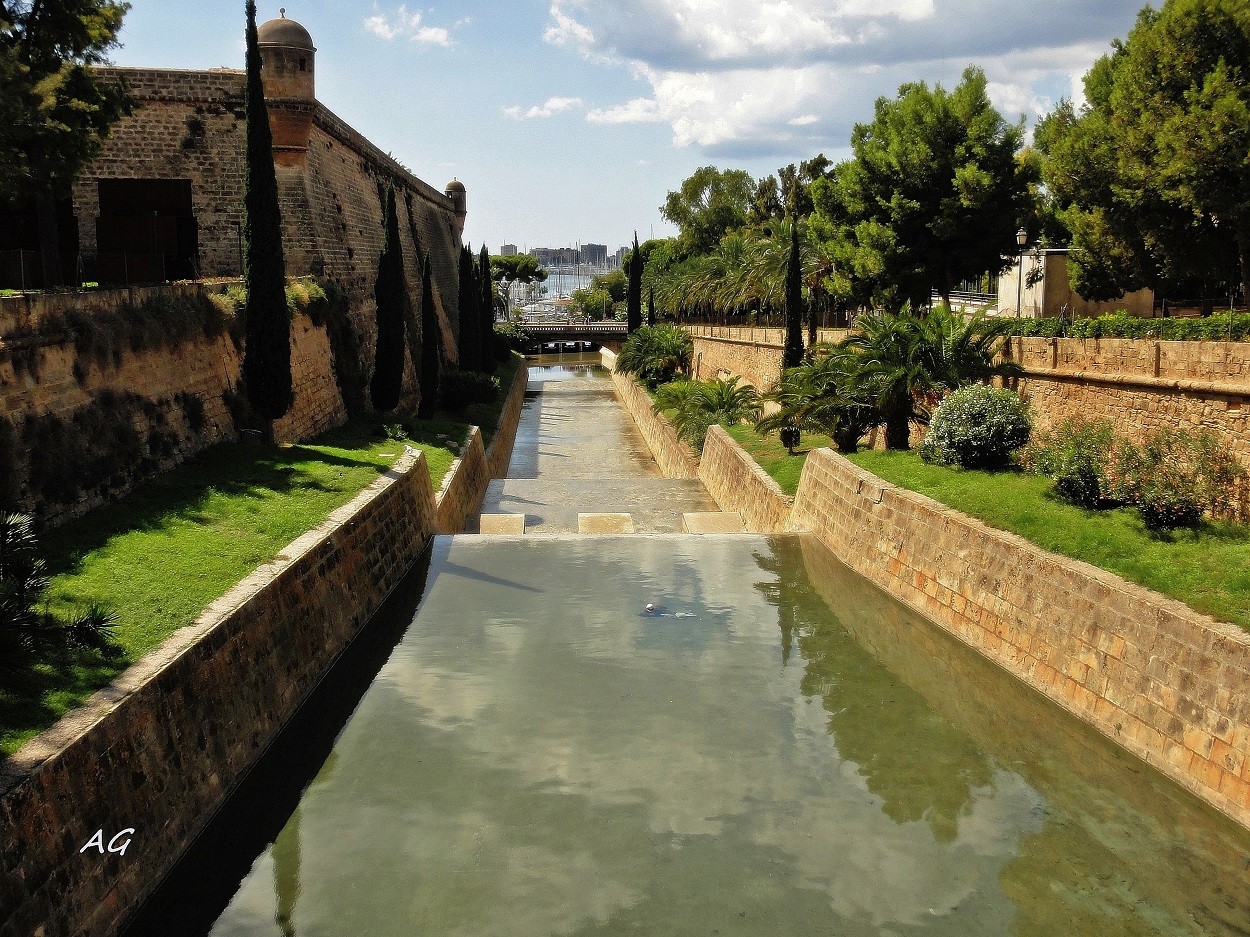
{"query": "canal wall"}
(1168, 684)
(1139, 385)
(149, 759)
(674, 457)
(737, 483)
(499, 452)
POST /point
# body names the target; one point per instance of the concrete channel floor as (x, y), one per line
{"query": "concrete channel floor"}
(578, 452)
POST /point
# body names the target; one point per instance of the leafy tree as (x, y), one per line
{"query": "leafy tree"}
(634, 296)
(390, 294)
(933, 194)
(614, 283)
(521, 268)
(54, 111)
(1151, 175)
(431, 345)
(267, 354)
(470, 320)
(593, 303)
(708, 205)
(792, 355)
(486, 311)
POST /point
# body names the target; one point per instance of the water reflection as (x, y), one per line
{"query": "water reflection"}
(537, 757)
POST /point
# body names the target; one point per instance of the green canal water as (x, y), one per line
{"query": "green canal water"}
(515, 749)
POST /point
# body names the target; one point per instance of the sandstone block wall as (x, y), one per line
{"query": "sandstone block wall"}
(753, 354)
(1168, 684)
(54, 378)
(163, 747)
(464, 486)
(737, 483)
(499, 452)
(674, 457)
(1141, 385)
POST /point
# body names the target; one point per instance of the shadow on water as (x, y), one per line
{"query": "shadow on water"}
(265, 804)
(931, 725)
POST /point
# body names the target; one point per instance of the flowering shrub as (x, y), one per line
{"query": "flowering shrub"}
(1174, 477)
(1075, 455)
(976, 426)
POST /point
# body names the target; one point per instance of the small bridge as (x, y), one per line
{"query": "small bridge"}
(575, 332)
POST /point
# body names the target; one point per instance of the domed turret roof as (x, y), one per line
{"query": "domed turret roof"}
(285, 32)
(454, 186)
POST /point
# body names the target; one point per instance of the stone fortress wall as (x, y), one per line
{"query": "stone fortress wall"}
(189, 126)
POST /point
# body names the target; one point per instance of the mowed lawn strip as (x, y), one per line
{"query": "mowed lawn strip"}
(1208, 569)
(160, 556)
(773, 457)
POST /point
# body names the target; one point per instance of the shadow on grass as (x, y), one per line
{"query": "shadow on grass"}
(32, 698)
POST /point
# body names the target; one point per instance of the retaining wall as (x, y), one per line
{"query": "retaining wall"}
(674, 457)
(737, 483)
(499, 452)
(1168, 684)
(462, 490)
(161, 749)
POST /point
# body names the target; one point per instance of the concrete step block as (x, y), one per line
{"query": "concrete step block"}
(713, 522)
(605, 523)
(502, 524)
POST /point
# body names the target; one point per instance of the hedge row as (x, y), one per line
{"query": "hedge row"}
(1209, 328)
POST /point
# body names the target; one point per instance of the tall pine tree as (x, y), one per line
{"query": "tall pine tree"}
(651, 306)
(267, 354)
(431, 346)
(470, 321)
(633, 298)
(390, 294)
(792, 355)
(486, 309)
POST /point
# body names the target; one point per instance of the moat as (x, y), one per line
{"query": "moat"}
(515, 748)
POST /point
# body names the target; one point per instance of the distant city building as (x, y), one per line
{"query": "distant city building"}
(508, 250)
(595, 254)
(619, 257)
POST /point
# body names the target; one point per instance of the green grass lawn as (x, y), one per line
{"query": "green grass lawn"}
(772, 456)
(160, 556)
(1208, 569)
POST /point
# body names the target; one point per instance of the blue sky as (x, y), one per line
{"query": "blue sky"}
(570, 120)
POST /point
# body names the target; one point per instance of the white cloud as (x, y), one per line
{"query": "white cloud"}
(548, 108)
(565, 30)
(402, 24)
(756, 77)
(637, 111)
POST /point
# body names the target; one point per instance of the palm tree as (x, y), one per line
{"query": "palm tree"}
(696, 405)
(822, 395)
(656, 354)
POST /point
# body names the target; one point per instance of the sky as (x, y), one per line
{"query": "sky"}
(569, 121)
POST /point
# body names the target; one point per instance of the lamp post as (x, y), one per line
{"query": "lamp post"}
(1022, 238)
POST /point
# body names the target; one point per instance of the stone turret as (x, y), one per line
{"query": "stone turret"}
(287, 56)
(460, 199)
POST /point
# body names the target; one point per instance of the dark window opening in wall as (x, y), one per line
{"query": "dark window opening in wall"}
(21, 262)
(303, 65)
(146, 231)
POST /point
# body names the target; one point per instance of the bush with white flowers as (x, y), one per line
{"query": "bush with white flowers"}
(976, 427)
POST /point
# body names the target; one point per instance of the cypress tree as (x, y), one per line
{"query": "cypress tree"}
(431, 346)
(267, 354)
(633, 305)
(651, 306)
(390, 293)
(470, 323)
(792, 356)
(487, 310)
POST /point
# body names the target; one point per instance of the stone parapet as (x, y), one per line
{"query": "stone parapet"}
(461, 494)
(163, 747)
(499, 452)
(737, 483)
(1166, 683)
